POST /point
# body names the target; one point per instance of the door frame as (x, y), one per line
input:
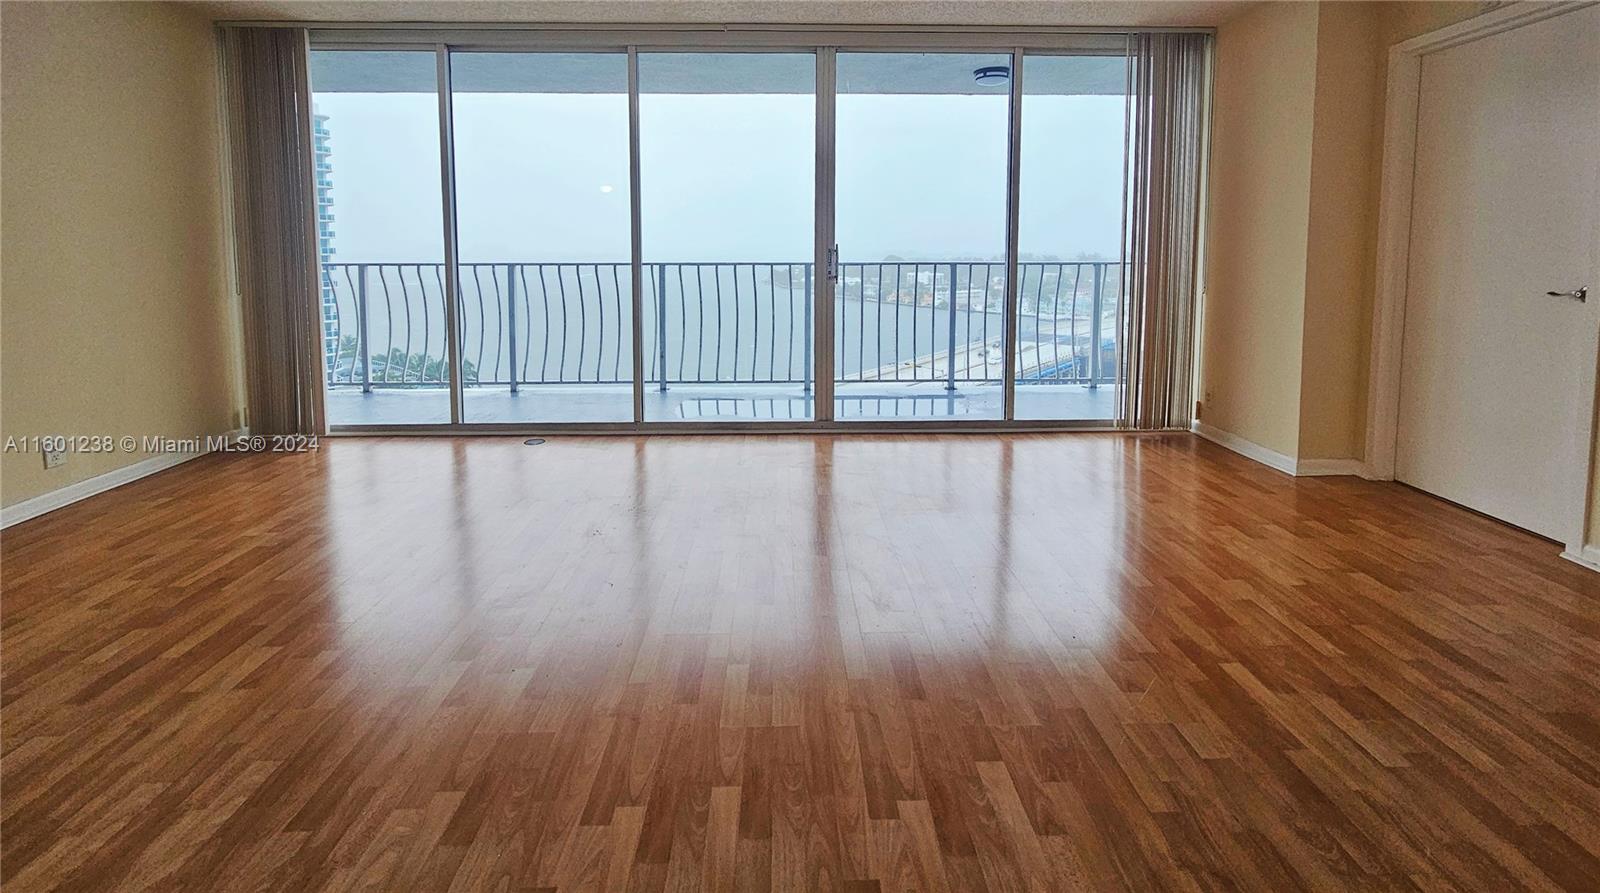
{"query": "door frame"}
(1402, 102)
(825, 44)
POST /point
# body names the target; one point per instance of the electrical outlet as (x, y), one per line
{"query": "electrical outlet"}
(55, 458)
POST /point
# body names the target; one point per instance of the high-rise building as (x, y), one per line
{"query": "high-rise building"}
(321, 153)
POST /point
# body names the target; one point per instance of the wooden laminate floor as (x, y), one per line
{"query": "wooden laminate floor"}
(1034, 662)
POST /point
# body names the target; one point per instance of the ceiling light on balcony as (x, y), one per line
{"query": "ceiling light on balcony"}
(992, 75)
(606, 188)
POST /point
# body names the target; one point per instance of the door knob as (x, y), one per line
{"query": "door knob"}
(1578, 294)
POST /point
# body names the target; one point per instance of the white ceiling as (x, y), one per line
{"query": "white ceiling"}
(1135, 13)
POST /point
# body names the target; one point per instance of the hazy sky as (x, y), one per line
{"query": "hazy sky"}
(724, 177)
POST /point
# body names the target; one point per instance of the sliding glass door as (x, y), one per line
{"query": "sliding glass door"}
(542, 209)
(920, 313)
(648, 237)
(380, 237)
(727, 150)
(1069, 237)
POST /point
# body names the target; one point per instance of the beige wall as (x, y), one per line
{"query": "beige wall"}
(113, 297)
(1292, 238)
(1341, 235)
(1261, 153)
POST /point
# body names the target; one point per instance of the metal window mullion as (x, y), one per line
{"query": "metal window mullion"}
(1013, 305)
(447, 186)
(636, 237)
(822, 332)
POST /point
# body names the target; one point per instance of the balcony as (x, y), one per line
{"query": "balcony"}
(722, 340)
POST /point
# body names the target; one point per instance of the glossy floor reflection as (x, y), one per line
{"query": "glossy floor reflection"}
(803, 663)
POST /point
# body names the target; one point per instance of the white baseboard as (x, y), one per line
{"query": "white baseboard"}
(1246, 448)
(1276, 460)
(100, 483)
(1330, 467)
(1588, 556)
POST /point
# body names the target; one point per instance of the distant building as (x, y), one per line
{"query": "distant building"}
(321, 151)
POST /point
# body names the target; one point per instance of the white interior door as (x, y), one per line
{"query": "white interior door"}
(1497, 376)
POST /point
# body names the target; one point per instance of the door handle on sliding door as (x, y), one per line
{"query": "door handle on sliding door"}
(1580, 294)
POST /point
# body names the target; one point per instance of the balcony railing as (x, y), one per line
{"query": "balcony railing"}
(531, 323)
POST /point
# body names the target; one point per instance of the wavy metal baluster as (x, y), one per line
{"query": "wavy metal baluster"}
(700, 302)
(933, 319)
(544, 296)
(877, 334)
(616, 295)
(896, 323)
(494, 279)
(511, 325)
(1055, 324)
(733, 278)
(738, 328)
(843, 303)
(1038, 301)
(485, 375)
(405, 297)
(984, 300)
(772, 328)
(933, 314)
(566, 319)
(792, 326)
(421, 288)
(388, 323)
(683, 323)
(1097, 317)
(505, 334)
(600, 316)
(527, 321)
(733, 354)
(916, 287)
(1077, 363)
(755, 324)
(351, 283)
(594, 274)
(716, 279)
(967, 322)
(461, 327)
(657, 366)
(330, 361)
(583, 320)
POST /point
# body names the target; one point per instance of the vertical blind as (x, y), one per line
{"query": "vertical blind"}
(270, 156)
(1168, 79)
